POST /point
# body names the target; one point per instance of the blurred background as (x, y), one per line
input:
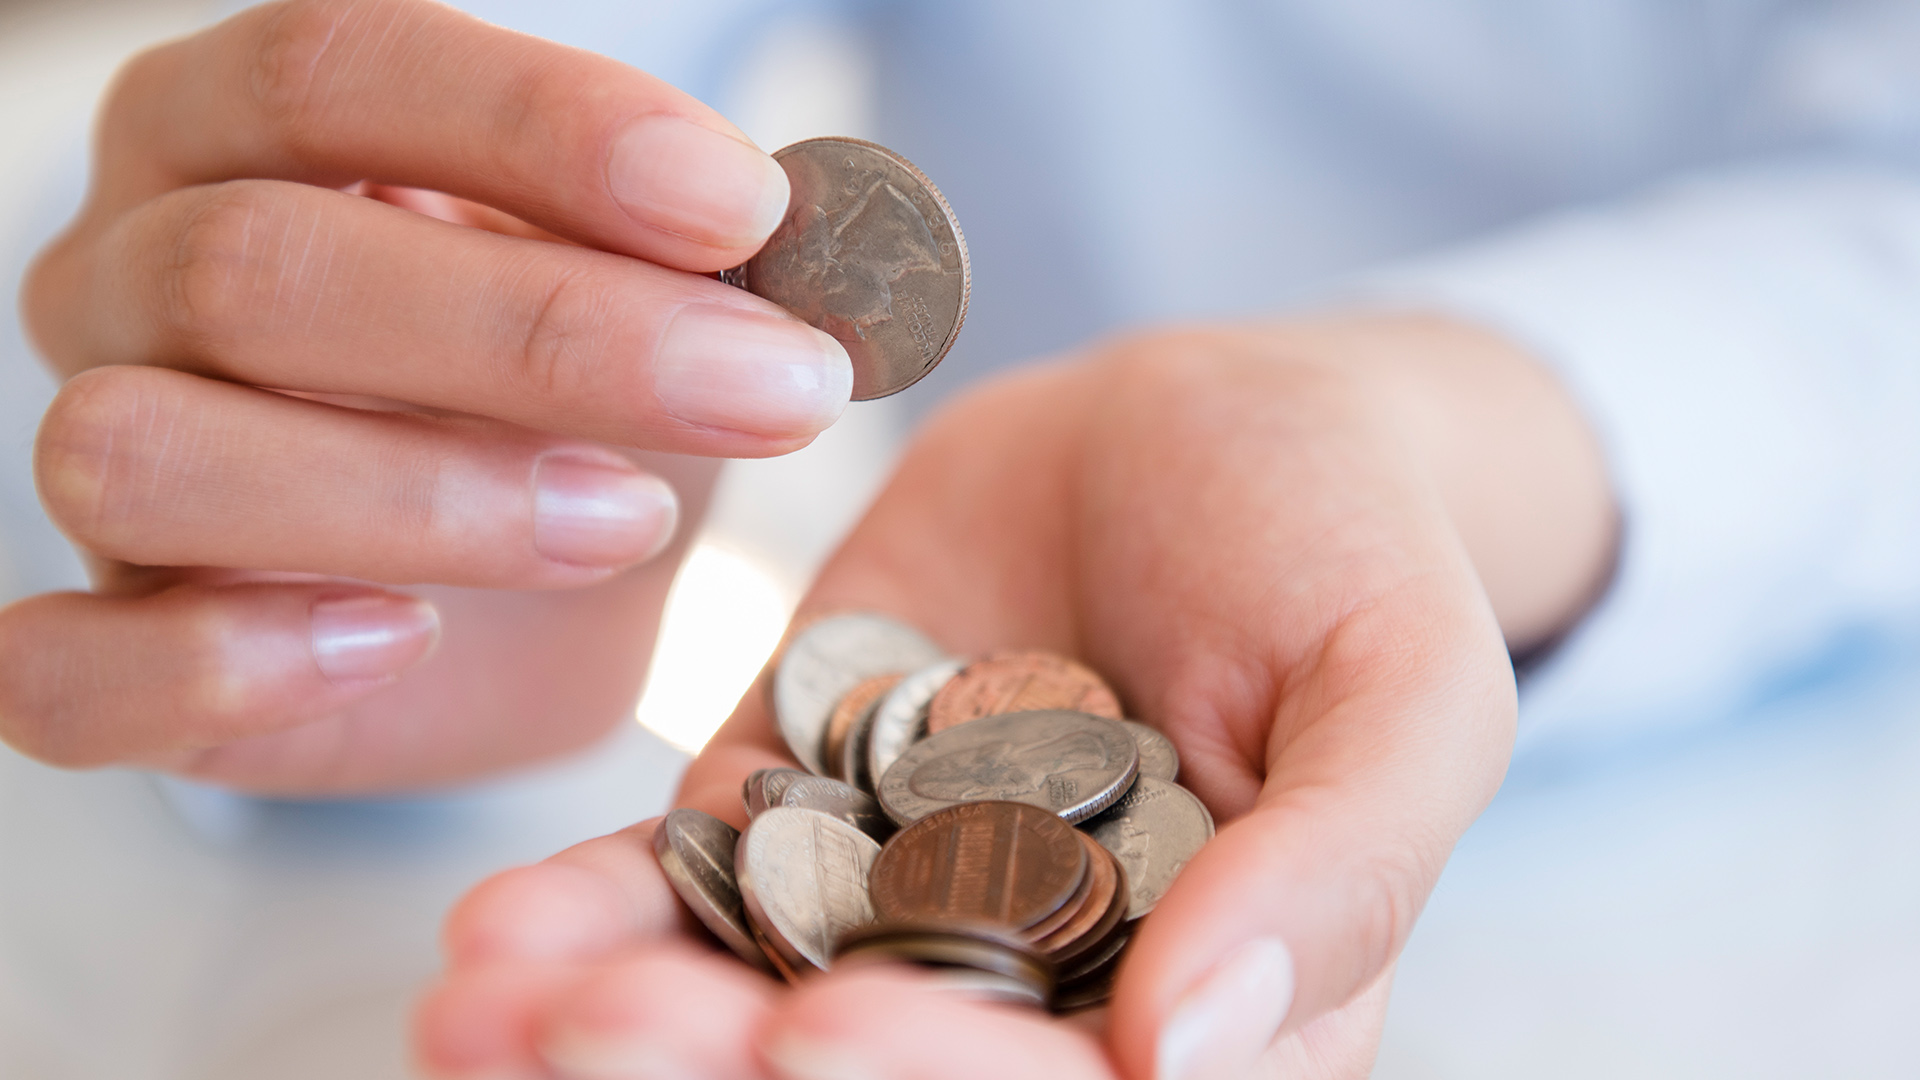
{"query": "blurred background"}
(1742, 900)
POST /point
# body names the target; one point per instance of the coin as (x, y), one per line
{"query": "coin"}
(853, 707)
(999, 863)
(1153, 831)
(824, 795)
(1094, 921)
(963, 948)
(1071, 763)
(695, 850)
(803, 881)
(1158, 758)
(870, 252)
(829, 657)
(1023, 680)
(901, 716)
(764, 787)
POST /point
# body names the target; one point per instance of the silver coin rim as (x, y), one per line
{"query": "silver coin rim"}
(736, 936)
(904, 710)
(1136, 881)
(756, 907)
(803, 725)
(1152, 734)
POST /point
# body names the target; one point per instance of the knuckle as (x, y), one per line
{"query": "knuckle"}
(208, 269)
(212, 684)
(89, 456)
(298, 41)
(565, 336)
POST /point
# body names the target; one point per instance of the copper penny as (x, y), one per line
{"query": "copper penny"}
(1023, 680)
(846, 715)
(1094, 923)
(1003, 863)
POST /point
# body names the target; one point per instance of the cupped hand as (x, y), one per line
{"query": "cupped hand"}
(367, 293)
(1294, 549)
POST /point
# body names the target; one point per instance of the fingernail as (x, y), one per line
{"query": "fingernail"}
(676, 175)
(763, 374)
(599, 513)
(580, 1056)
(1224, 1023)
(371, 636)
(796, 1057)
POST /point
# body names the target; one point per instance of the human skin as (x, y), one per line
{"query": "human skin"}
(368, 294)
(1301, 550)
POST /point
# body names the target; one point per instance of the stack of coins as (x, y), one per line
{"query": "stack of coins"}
(935, 822)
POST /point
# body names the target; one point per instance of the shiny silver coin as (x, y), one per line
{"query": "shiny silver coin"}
(1153, 831)
(764, 787)
(829, 657)
(1071, 763)
(901, 717)
(803, 882)
(695, 850)
(870, 252)
(824, 795)
(1158, 758)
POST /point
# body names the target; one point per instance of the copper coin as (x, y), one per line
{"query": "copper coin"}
(1024, 680)
(1028, 976)
(1068, 910)
(847, 713)
(1003, 863)
(1094, 923)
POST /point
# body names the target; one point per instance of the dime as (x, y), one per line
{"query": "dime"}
(901, 716)
(1153, 831)
(998, 863)
(870, 252)
(1071, 763)
(695, 850)
(829, 657)
(803, 880)
(853, 707)
(764, 787)
(1158, 758)
(1023, 680)
(824, 795)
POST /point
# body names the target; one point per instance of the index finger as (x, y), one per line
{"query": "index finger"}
(414, 93)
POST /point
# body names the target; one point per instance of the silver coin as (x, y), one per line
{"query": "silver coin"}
(764, 787)
(1158, 758)
(824, 795)
(803, 881)
(1073, 764)
(696, 852)
(870, 252)
(1153, 831)
(853, 754)
(901, 717)
(828, 658)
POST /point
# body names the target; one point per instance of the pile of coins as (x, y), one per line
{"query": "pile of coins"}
(937, 823)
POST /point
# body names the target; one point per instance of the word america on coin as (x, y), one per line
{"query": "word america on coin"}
(870, 252)
(1011, 846)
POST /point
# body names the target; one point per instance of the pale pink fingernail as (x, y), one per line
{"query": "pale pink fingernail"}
(580, 1056)
(744, 371)
(366, 637)
(1222, 1026)
(599, 513)
(676, 175)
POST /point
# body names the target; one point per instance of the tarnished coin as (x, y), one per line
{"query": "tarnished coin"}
(998, 863)
(1071, 763)
(763, 788)
(1097, 919)
(1153, 831)
(803, 881)
(870, 252)
(829, 657)
(695, 850)
(901, 716)
(1090, 982)
(1158, 758)
(824, 795)
(960, 948)
(853, 708)
(1021, 680)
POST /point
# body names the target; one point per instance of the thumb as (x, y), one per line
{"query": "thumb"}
(1305, 901)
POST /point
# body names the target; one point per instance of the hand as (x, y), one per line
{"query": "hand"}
(1294, 550)
(373, 293)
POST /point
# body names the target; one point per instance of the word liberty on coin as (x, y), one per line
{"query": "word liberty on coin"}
(870, 252)
(937, 823)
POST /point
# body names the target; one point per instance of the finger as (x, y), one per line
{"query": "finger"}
(89, 680)
(300, 288)
(893, 1022)
(480, 1022)
(659, 1011)
(1339, 1045)
(418, 94)
(159, 468)
(581, 904)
